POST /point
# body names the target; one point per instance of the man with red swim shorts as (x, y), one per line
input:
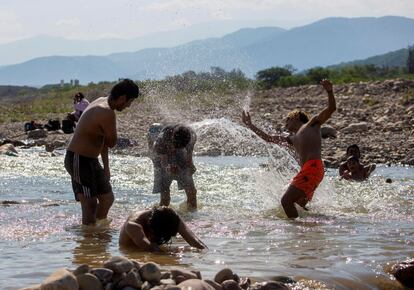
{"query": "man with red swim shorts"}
(306, 140)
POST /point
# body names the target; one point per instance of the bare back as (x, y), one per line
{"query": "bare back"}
(307, 142)
(96, 124)
(140, 218)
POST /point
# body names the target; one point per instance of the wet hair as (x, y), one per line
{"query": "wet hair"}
(352, 146)
(164, 223)
(126, 88)
(299, 115)
(79, 96)
(181, 136)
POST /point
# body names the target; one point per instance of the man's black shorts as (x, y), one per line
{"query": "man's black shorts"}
(88, 176)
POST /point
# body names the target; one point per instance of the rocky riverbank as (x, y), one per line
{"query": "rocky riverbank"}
(378, 116)
(125, 274)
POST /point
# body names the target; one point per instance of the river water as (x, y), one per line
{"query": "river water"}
(348, 240)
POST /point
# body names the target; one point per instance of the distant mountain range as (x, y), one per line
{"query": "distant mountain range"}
(43, 45)
(396, 58)
(326, 42)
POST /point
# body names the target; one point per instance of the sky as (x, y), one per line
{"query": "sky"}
(97, 19)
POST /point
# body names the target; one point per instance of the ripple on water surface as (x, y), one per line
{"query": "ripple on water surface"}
(347, 238)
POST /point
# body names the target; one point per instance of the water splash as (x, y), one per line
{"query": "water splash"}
(247, 102)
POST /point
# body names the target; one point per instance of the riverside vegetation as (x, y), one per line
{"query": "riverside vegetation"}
(375, 107)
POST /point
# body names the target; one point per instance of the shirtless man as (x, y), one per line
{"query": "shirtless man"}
(94, 134)
(358, 173)
(149, 229)
(306, 140)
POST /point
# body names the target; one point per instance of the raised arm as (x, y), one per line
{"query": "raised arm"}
(190, 237)
(327, 112)
(280, 140)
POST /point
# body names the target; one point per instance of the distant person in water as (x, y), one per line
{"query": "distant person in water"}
(306, 140)
(95, 133)
(352, 169)
(171, 151)
(149, 229)
(80, 103)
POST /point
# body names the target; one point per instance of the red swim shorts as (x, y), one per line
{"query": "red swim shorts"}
(309, 177)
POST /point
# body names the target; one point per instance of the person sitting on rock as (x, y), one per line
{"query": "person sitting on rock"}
(80, 103)
(344, 170)
(149, 229)
(171, 151)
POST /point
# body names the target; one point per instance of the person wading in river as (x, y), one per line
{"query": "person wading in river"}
(306, 140)
(94, 134)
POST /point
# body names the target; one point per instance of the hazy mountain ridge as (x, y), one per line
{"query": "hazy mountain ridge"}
(326, 42)
(396, 58)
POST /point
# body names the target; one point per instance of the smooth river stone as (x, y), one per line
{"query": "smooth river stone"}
(88, 281)
(223, 275)
(180, 275)
(119, 264)
(103, 274)
(131, 279)
(61, 279)
(195, 284)
(150, 272)
(230, 285)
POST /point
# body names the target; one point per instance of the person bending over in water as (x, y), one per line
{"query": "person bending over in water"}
(94, 134)
(363, 172)
(149, 229)
(306, 140)
(171, 151)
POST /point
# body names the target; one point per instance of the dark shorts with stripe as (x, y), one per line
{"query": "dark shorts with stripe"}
(88, 176)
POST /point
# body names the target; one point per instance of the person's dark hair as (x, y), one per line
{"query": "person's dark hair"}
(79, 96)
(164, 223)
(125, 87)
(181, 136)
(352, 146)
